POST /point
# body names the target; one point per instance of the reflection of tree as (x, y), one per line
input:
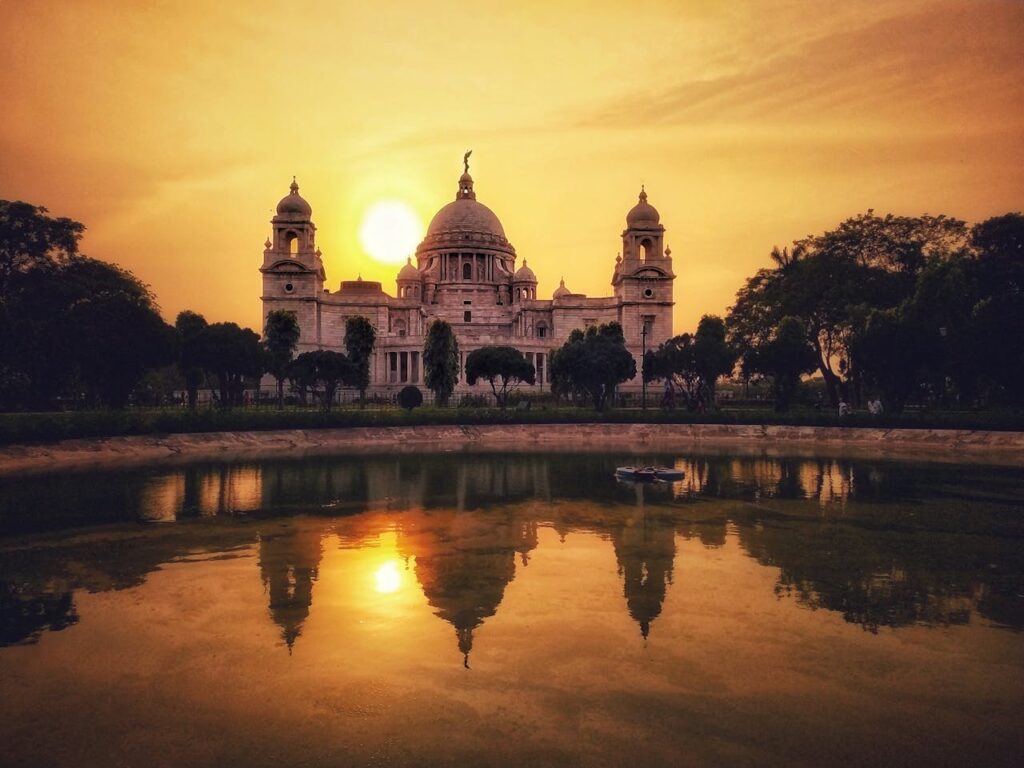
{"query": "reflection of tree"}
(880, 578)
(25, 615)
(289, 564)
(464, 562)
(882, 543)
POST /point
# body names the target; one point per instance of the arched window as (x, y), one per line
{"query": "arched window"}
(293, 243)
(542, 331)
(646, 247)
(467, 271)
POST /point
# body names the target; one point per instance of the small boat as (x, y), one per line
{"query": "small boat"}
(649, 473)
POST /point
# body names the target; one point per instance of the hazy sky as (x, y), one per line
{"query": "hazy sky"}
(171, 129)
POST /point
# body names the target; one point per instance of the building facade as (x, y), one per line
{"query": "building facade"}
(465, 273)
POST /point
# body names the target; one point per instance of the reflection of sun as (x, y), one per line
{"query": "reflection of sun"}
(390, 231)
(388, 578)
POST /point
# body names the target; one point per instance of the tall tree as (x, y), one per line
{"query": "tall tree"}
(360, 338)
(190, 326)
(783, 358)
(892, 351)
(280, 340)
(506, 365)
(594, 362)
(867, 260)
(116, 339)
(441, 361)
(713, 355)
(230, 354)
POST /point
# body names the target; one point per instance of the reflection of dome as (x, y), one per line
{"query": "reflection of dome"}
(524, 274)
(409, 272)
(643, 213)
(561, 290)
(465, 215)
(293, 204)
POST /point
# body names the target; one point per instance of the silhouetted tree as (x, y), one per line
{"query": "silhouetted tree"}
(117, 338)
(360, 338)
(280, 340)
(190, 327)
(29, 239)
(593, 362)
(783, 358)
(441, 361)
(867, 260)
(326, 369)
(504, 364)
(230, 355)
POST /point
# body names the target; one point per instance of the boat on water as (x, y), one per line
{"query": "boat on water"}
(649, 473)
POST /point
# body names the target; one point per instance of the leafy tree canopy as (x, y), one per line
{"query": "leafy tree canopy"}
(506, 365)
(324, 370)
(593, 363)
(30, 239)
(783, 358)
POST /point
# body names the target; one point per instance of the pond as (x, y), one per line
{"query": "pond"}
(513, 609)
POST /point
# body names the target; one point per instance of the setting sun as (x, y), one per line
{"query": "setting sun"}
(390, 231)
(387, 578)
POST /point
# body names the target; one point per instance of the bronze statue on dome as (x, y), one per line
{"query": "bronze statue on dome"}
(465, 160)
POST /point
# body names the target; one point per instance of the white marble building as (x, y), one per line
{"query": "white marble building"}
(466, 273)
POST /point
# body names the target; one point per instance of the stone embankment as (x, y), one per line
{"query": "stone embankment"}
(926, 444)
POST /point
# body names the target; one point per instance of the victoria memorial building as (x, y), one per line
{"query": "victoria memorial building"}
(466, 273)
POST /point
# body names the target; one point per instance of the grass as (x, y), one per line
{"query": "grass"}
(19, 428)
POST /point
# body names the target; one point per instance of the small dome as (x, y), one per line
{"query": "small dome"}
(524, 275)
(293, 204)
(561, 290)
(409, 272)
(643, 214)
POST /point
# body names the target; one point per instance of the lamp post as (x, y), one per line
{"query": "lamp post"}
(643, 357)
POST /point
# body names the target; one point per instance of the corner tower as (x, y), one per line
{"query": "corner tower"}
(643, 277)
(293, 270)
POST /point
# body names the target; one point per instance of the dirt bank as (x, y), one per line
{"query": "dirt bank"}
(940, 445)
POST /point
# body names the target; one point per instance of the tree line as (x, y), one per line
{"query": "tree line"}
(897, 308)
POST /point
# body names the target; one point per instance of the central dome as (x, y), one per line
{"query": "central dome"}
(465, 215)
(465, 221)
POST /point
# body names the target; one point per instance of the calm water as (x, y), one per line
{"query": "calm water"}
(513, 610)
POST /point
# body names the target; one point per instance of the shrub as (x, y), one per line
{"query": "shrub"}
(410, 397)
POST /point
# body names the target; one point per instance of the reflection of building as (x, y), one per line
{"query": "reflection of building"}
(464, 563)
(289, 564)
(465, 273)
(645, 548)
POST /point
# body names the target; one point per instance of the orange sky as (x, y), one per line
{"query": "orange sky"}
(171, 129)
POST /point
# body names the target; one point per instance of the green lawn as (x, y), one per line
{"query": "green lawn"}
(46, 427)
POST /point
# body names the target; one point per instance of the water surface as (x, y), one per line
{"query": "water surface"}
(513, 610)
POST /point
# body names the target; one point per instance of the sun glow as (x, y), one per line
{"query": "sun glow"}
(390, 231)
(387, 578)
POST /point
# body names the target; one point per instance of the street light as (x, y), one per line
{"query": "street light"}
(643, 356)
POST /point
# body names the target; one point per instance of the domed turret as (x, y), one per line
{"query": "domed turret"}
(524, 274)
(561, 291)
(293, 205)
(409, 272)
(643, 214)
